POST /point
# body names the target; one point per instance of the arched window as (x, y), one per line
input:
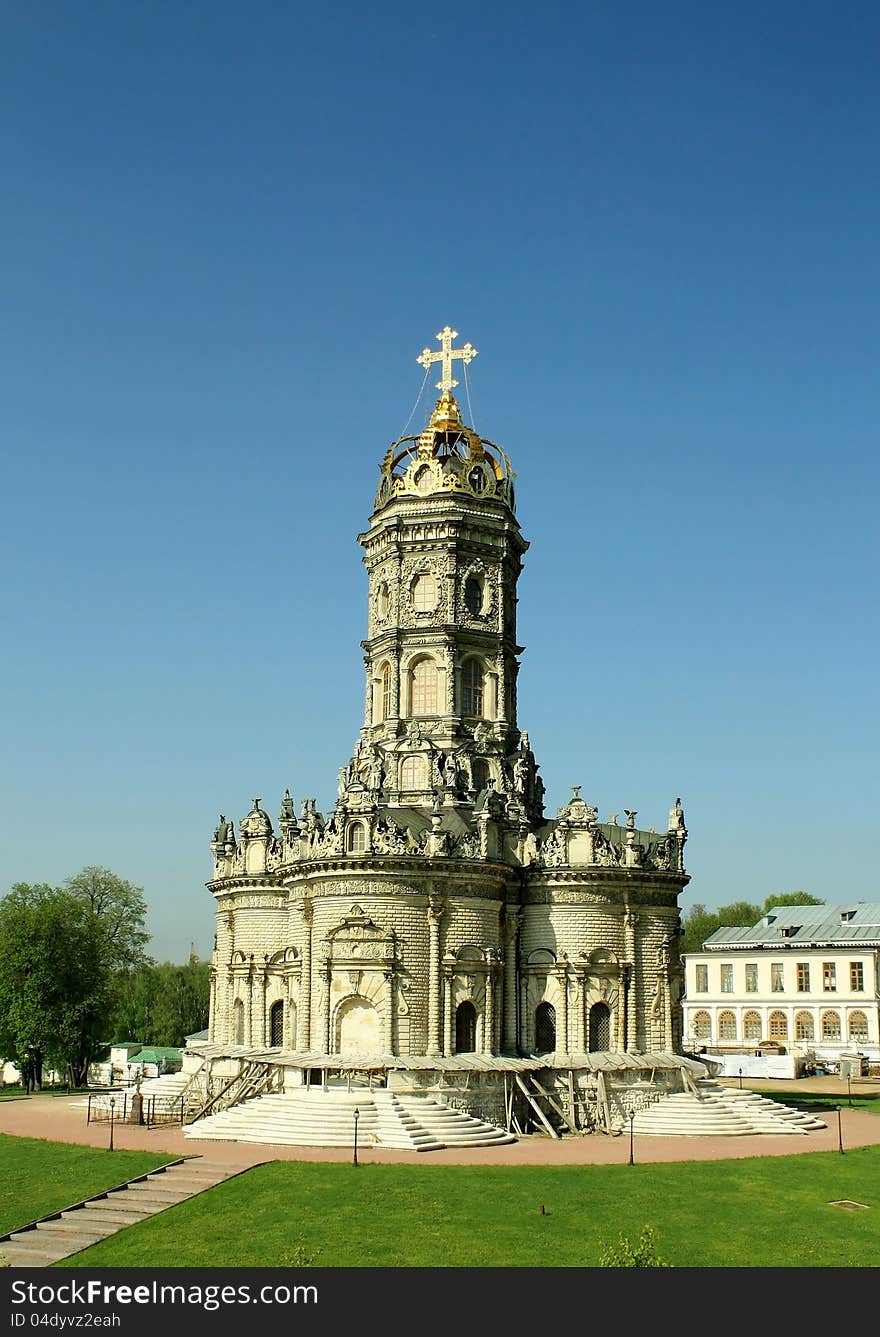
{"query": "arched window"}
(702, 1026)
(423, 694)
(778, 1026)
(804, 1030)
(831, 1027)
(412, 773)
(465, 1028)
(726, 1026)
(473, 595)
(385, 691)
(599, 1029)
(545, 1028)
(480, 774)
(858, 1027)
(276, 1024)
(472, 687)
(752, 1026)
(424, 592)
(238, 1021)
(356, 838)
(424, 477)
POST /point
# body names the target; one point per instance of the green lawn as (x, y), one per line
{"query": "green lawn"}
(38, 1177)
(768, 1212)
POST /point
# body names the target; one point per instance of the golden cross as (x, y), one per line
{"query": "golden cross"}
(445, 356)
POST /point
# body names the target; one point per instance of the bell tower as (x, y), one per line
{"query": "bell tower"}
(443, 553)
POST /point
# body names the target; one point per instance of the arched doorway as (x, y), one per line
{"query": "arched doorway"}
(276, 1025)
(545, 1028)
(238, 1022)
(465, 1028)
(600, 1028)
(357, 1027)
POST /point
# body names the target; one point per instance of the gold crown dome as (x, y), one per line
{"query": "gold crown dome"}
(447, 415)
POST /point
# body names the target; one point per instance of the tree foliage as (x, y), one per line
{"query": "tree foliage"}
(162, 1004)
(121, 910)
(54, 981)
(698, 923)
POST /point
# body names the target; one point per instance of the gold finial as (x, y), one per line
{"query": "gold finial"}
(445, 356)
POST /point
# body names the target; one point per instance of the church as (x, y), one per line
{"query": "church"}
(438, 930)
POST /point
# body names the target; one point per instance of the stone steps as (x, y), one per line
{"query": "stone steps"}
(720, 1111)
(325, 1118)
(76, 1227)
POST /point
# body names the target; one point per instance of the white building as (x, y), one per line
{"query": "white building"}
(804, 978)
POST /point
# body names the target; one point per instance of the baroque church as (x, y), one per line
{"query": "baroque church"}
(438, 930)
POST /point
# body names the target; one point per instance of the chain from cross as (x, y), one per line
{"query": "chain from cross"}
(445, 356)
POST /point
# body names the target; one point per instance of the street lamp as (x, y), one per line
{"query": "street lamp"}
(112, 1107)
(632, 1115)
(740, 1079)
(357, 1115)
(839, 1131)
(849, 1089)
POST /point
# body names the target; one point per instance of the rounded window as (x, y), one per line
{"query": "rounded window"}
(477, 479)
(383, 601)
(356, 841)
(424, 478)
(424, 592)
(473, 596)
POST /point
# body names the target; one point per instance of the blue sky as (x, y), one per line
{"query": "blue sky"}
(227, 233)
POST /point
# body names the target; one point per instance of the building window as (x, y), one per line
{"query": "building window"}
(727, 978)
(276, 1024)
(545, 1028)
(412, 773)
(829, 977)
(831, 1027)
(702, 1026)
(465, 1028)
(701, 984)
(480, 774)
(804, 1031)
(473, 596)
(778, 1026)
(472, 687)
(385, 691)
(356, 838)
(751, 1026)
(777, 977)
(424, 688)
(383, 601)
(726, 1026)
(803, 977)
(751, 977)
(856, 977)
(858, 1027)
(424, 593)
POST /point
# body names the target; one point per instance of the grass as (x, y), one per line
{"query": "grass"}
(815, 1102)
(38, 1177)
(761, 1212)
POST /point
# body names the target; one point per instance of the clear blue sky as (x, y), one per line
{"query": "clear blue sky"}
(227, 232)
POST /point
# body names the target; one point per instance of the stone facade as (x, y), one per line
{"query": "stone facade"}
(437, 910)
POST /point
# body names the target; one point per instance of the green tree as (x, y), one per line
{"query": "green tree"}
(120, 909)
(54, 981)
(626, 1254)
(792, 898)
(699, 923)
(162, 1004)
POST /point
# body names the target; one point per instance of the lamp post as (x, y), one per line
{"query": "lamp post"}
(740, 1079)
(357, 1115)
(632, 1115)
(849, 1089)
(112, 1108)
(839, 1131)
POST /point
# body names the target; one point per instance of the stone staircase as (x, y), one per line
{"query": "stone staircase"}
(315, 1117)
(714, 1110)
(66, 1232)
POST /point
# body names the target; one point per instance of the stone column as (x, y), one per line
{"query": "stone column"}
(451, 669)
(230, 1009)
(212, 1011)
(388, 1019)
(562, 1028)
(327, 976)
(578, 1044)
(436, 907)
(448, 1018)
(525, 1021)
(289, 1039)
(510, 928)
(489, 1027)
(264, 985)
(630, 922)
(305, 980)
(249, 1007)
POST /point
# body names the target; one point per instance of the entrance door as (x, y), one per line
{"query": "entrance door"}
(545, 1028)
(357, 1028)
(465, 1028)
(276, 1025)
(600, 1028)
